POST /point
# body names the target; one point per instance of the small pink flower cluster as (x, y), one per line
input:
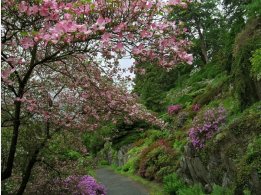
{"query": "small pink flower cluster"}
(196, 107)
(174, 109)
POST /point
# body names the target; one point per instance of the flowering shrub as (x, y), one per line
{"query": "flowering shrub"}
(174, 109)
(157, 160)
(205, 125)
(83, 185)
(196, 107)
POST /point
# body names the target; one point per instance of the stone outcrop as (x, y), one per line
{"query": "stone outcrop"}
(219, 169)
(119, 157)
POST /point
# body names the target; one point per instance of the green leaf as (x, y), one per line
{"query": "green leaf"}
(24, 33)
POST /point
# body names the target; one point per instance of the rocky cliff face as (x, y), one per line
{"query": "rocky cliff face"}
(112, 156)
(231, 159)
(194, 170)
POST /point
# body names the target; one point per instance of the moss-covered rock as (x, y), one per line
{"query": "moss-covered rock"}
(246, 86)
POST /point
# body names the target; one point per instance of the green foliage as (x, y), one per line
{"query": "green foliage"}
(192, 190)
(172, 184)
(229, 102)
(107, 155)
(69, 151)
(250, 162)
(152, 86)
(154, 134)
(94, 141)
(254, 148)
(156, 157)
(246, 42)
(247, 192)
(248, 122)
(253, 8)
(103, 162)
(126, 139)
(72, 154)
(256, 64)
(199, 18)
(125, 134)
(216, 86)
(218, 190)
(201, 87)
(132, 164)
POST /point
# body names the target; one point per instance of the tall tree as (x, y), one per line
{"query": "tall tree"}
(198, 20)
(51, 63)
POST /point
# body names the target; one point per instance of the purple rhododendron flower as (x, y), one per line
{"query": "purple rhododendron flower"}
(205, 126)
(83, 185)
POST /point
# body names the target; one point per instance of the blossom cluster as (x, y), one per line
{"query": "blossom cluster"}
(83, 185)
(206, 125)
(102, 23)
(196, 107)
(174, 109)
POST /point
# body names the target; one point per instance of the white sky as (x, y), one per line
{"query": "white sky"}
(126, 63)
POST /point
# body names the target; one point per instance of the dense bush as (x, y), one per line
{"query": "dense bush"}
(94, 141)
(157, 160)
(174, 109)
(152, 86)
(172, 184)
(147, 138)
(218, 190)
(192, 190)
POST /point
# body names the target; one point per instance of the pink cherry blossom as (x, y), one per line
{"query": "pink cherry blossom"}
(43, 11)
(67, 16)
(148, 4)
(119, 47)
(144, 34)
(120, 27)
(100, 23)
(27, 42)
(106, 37)
(23, 6)
(7, 72)
(174, 2)
(138, 50)
(32, 10)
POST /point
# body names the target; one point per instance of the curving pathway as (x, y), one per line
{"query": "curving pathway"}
(119, 185)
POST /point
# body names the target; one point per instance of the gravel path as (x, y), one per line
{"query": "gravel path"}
(119, 185)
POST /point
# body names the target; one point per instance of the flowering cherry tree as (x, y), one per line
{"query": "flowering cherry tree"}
(59, 60)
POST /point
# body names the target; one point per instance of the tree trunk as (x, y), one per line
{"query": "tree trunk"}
(22, 83)
(33, 160)
(10, 161)
(203, 45)
(29, 168)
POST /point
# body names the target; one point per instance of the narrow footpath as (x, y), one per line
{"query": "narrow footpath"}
(119, 185)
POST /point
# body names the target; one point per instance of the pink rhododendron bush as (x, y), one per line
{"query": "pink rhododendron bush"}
(174, 109)
(60, 60)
